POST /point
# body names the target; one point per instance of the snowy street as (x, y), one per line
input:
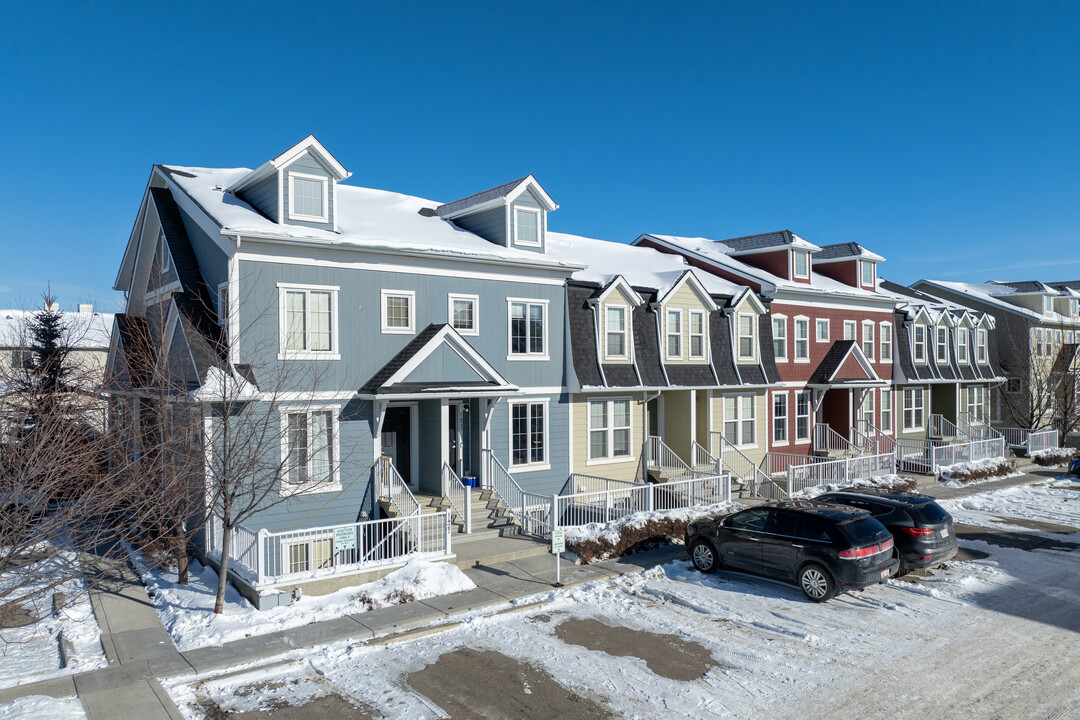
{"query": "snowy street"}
(992, 634)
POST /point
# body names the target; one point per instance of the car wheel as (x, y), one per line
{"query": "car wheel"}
(703, 555)
(902, 569)
(816, 583)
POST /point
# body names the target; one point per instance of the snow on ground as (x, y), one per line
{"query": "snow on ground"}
(32, 653)
(949, 472)
(40, 707)
(187, 611)
(1056, 501)
(613, 530)
(998, 629)
(883, 481)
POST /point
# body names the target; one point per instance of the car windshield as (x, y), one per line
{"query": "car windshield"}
(930, 513)
(864, 530)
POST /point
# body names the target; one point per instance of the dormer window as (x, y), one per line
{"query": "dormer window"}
(980, 346)
(800, 264)
(1048, 304)
(942, 345)
(308, 197)
(962, 345)
(1074, 308)
(866, 270)
(919, 343)
(163, 253)
(527, 227)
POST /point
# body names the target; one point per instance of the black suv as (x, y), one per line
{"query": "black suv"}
(922, 530)
(822, 548)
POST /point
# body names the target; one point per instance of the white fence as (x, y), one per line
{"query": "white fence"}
(839, 472)
(391, 486)
(1030, 440)
(943, 455)
(915, 455)
(459, 495)
(531, 511)
(266, 557)
(608, 505)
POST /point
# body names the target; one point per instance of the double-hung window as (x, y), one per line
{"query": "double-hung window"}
(780, 417)
(802, 339)
(868, 410)
(528, 435)
(914, 409)
(886, 342)
(962, 345)
(868, 340)
(747, 337)
(849, 329)
(528, 328)
(886, 410)
(615, 331)
(801, 264)
(609, 429)
(398, 316)
(802, 416)
(674, 334)
(779, 337)
(976, 397)
(1048, 305)
(918, 334)
(527, 227)
(740, 419)
(311, 449)
(1038, 342)
(867, 271)
(308, 197)
(821, 330)
(942, 345)
(697, 335)
(464, 313)
(308, 322)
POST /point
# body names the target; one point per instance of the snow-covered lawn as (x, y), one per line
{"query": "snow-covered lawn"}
(187, 611)
(32, 652)
(882, 481)
(978, 471)
(1001, 630)
(40, 707)
(1056, 501)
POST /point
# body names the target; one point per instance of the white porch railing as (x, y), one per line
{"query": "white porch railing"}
(704, 461)
(976, 428)
(733, 461)
(944, 429)
(531, 510)
(841, 471)
(394, 488)
(580, 483)
(828, 440)
(459, 495)
(658, 456)
(915, 455)
(776, 464)
(880, 442)
(268, 557)
(1030, 440)
(602, 507)
(953, 453)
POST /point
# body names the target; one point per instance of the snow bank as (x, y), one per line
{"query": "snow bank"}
(187, 611)
(1053, 457)
(968, 473)
(40, 707)
(1051, 502)
(889, 482)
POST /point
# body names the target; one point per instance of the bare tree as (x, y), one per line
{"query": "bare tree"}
(1041, 391)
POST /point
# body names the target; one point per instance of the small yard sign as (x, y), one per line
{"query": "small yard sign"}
(345, 538)
(558, 541)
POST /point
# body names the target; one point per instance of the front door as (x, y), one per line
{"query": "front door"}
(396, 441)
(453, 435)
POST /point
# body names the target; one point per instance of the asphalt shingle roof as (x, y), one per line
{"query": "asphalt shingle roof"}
(760, 241)
(479, 198)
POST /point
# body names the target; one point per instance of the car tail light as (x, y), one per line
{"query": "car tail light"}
(918, 532)
(855, 553)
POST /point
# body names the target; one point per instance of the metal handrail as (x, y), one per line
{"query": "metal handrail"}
(531, 510)
(394, 488)
(828, 440)
(977, 428)
(703, 458)
(459, 495)
(746, 470)
(662, 457)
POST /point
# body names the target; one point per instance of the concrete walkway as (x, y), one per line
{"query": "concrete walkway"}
(139, 650)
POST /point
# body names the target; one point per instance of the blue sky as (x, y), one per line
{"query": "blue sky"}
(941, 135)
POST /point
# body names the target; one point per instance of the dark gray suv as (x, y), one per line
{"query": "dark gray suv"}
(822, 548)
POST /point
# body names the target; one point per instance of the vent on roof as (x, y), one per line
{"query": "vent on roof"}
(428, 212)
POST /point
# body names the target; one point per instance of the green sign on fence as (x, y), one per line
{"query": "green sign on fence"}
(345, 538)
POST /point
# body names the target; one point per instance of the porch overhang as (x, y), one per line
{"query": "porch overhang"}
(845, 366)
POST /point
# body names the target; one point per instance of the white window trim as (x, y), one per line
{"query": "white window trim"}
(539, 228)
(794, 265)
(961, 346)
(335, 349)
(625, 332)
(787, 417)
(325, 197)
(854, 330)
(940, 346)
(510, 354)
(828, 330)
(335, 425)
(384, 295)
(809, 417)
(475, 299)
(681, 333)
(608, 459)
(739, 419)
(916, 345)
(795, 340)
(223, 301)
(690, 334)
(903, 410)
(163, 250)
(528, 467)
(887, 393)
(882, 343)
(981, 340)
(868, 325)
(778, 358)
(873, 273)
(753, 336)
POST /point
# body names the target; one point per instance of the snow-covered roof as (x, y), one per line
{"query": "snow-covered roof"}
(911, 301)
(89, 331)
(717, 252)
(366, 218)
(846, 251)
(1022, 287)
(640, 266)
(762, 242)
(992, 294)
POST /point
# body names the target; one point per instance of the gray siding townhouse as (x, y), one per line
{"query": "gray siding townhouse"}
(429, 333)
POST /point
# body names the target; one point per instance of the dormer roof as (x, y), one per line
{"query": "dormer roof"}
(494, 197)
(845, 251)
(1026, 287)
(763, 242)
(691, 279)
(268, 168)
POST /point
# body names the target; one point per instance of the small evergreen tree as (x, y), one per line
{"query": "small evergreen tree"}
(48, 348)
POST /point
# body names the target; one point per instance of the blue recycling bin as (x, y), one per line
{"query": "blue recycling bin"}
(470, 481)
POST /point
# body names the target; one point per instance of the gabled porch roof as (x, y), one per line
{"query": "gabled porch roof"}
(845, 365)
(437, 363)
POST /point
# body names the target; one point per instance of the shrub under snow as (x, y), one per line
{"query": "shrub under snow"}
(886, 482)
(969, 472)
(640, 531)
(1053, 457)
